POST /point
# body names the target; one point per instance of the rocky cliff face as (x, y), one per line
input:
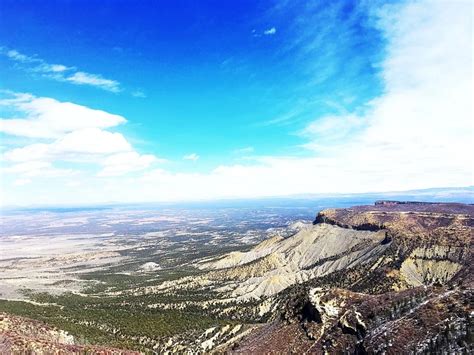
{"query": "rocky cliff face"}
(433, 241)
(419, 320)
(449, 224)
(411, 297)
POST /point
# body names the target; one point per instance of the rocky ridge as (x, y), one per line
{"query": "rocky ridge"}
(415, 297)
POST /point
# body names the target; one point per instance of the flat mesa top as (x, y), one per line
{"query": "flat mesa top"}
(413, 206)
(446, 223)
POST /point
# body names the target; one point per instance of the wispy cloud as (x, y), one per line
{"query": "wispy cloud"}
(270, 31)
(61, 72)
(334, 52)
(330, 130)
(139, 94)
(15, 55)
(82, 78)
(245, 150)
(404, 135)
(192, 157)
(57, 68)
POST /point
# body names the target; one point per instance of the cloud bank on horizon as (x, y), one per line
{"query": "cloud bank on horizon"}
(415, 132)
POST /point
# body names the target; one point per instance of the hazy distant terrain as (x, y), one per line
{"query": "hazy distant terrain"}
(176, 276)
(46, 250)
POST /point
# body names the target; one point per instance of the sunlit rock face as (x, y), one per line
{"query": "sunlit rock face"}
(279, 263)
(409, 294)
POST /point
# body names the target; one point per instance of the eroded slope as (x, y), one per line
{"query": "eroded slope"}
(415, 298)
(278, 263)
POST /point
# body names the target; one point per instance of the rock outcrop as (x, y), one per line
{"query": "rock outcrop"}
(449, 224)
(334, 321)
(412, 297)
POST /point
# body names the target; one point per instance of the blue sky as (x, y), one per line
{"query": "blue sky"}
(234, 99)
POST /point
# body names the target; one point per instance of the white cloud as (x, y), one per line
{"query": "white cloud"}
(32, 152)
(69, 133)
(49, 118)
(73, 183)
(192, 156)
(139, 94)
(270, 31)
(57, 68)
(82, 78)
(123, 163)
(81, 145)
(327, 131)
(15, 55)
(27, 167)
(21, 182)
(28, 170)
(59, 72)
(92, 141)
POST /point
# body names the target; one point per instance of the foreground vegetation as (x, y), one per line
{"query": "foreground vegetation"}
(112, 321)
